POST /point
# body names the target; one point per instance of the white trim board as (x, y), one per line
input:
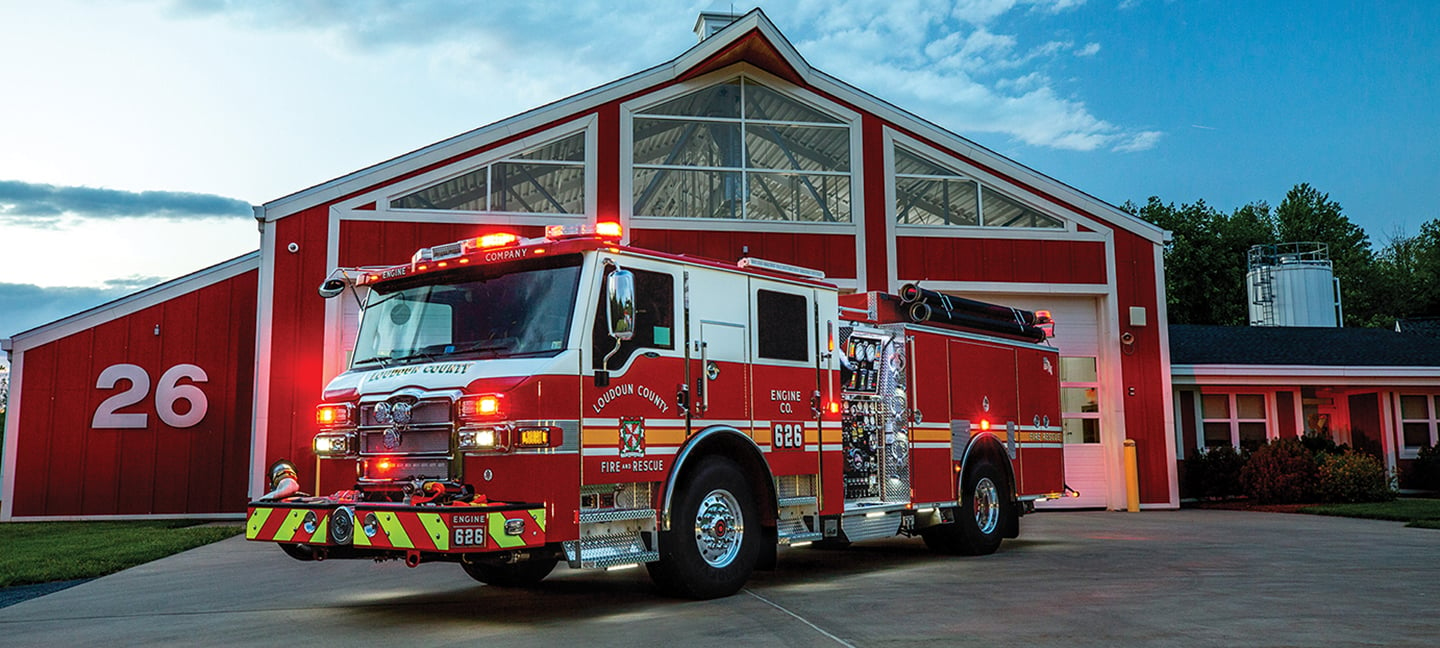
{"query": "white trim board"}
(1282, 375)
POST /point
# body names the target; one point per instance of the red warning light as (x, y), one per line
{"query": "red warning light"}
(608, 229)
(498, 239)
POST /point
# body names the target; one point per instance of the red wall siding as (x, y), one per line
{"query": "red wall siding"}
(389, 243)
(832, 253)
(1142, 370)
(1002, 260)
(64, 467)
(872, 219)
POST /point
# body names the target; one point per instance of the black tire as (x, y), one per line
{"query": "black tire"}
(714, 540)
(521, 574)
(830, 544)
(985, 512)
(303, 553)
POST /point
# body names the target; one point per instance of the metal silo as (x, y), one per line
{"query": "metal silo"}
(1292, 284)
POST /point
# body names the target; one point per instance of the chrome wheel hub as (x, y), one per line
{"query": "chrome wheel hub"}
(719, 528)
(987, 506)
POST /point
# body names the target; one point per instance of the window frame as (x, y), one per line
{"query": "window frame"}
(955, 175)
(601, 343)
(807, 325)
(512, 152)
(1082, 384)
(1233, 419)
(1432, 420)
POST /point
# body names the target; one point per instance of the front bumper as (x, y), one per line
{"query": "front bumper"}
(375, 528)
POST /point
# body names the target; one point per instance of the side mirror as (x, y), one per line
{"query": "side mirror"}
(619, 317)
(620, 305)
(332, 287)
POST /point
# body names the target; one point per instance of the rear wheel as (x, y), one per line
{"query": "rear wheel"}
(519, 574)
(985, 511)
(714, 540)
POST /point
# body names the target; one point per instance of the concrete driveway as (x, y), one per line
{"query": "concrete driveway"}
(1186, 578)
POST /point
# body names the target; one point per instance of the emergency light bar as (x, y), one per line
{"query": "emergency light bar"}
(603, 229)
(776, 266)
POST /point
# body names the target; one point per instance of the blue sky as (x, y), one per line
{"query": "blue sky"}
(134, 133)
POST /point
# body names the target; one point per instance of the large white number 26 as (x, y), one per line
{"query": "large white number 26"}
(167, 394)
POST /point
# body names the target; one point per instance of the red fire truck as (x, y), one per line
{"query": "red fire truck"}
(512, 403)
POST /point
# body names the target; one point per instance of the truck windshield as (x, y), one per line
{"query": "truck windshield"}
(518, 310)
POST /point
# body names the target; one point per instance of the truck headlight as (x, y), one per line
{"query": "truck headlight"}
(332, 444)
(486, 438)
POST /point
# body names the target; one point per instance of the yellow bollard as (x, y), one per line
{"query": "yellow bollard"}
(1132, 477)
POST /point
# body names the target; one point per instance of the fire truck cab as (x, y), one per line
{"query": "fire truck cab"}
(514, 403)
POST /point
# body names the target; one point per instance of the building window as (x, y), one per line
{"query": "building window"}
(927, 193)
(740, 150)
(1418, 422)
(1079, 400)
(548, 179)
(781, 325)
(1236, 420)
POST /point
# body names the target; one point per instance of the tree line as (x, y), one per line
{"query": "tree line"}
(1206, 257)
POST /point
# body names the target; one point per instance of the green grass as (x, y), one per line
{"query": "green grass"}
(1422, 513)
(40, 552)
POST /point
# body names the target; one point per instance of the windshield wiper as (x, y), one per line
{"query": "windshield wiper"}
(497, 347)
(418, 354)
(380, 359)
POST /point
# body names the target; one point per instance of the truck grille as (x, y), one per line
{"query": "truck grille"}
(419, 448)
(426, 440)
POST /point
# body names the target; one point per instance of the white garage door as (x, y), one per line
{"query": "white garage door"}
(1077, 336)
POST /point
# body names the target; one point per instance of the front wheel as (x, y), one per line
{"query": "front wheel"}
(714, 539)
(985, 509)
(521, 574)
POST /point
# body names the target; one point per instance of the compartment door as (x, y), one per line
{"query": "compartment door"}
(983, 391)
(1041, 438)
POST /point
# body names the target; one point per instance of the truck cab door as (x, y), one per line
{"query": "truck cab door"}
(630, 420)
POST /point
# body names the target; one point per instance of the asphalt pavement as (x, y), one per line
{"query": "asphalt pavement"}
(1180, 578)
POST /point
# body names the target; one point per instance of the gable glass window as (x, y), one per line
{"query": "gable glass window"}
(1418, 422)
(548, 179)
(930, 194)
(739, 150)
(1236, 420)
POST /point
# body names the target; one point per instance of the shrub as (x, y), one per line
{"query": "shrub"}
(1424, 472)
(1317, 443)
(1282, 472)
(1214, 472)
(1354, 477)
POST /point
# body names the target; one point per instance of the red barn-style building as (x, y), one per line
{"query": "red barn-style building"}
(738, 147)
(137, 408)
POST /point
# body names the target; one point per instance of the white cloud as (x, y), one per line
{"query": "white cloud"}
(960, 70)
(1142, 141)
(949, 63)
